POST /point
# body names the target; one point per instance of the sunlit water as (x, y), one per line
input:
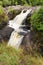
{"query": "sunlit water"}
(16, 38)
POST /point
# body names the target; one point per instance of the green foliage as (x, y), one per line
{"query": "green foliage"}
(6, 2)
(37, 28)
(12, 13)
(12, 2)
(36, 2)
(37, 20)
(8, 55)
(3, 16)
(11, 56)
(31, 60)
(20, 2)
(1, 3)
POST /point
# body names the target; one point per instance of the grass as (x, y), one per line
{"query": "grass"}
(30, 60)
(11, 56)
(8, 55)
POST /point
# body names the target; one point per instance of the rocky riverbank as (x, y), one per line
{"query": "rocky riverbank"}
(10, 12)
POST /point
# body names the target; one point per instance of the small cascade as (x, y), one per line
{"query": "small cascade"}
(18, 33)
(15, 40)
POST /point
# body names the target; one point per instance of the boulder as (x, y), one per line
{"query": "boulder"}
(5, 33)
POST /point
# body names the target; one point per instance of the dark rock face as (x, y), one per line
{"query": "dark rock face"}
(3, 24)
(26, 42)
(5, 33)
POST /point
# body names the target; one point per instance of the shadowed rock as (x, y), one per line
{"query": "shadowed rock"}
(5, 33)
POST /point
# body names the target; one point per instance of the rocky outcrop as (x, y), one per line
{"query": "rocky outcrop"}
(17, 9)
(5, 33)
(12, 11)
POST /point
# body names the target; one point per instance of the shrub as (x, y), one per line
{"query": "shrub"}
(12, 13)
(1, 3)
(37, 28)
(3, 16)
(13, 2)
(36, 2)
(8, 55)
(11, 56)
(37, 20)
(20, 2)
(6, 2)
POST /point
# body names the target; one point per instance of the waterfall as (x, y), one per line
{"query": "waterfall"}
(18, 33)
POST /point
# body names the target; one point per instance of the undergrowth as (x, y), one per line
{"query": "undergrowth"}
(11, 56)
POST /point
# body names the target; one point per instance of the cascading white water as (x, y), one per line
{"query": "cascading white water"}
(16, 38)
